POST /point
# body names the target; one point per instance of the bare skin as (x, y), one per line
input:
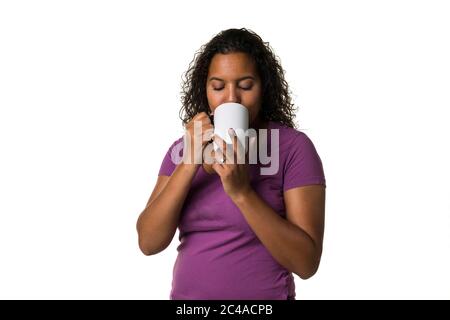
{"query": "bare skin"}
(294, 242)
(234, 78)
(158, 222)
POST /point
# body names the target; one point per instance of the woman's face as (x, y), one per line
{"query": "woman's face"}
(233, 77)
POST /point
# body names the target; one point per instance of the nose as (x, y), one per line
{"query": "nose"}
(233, 95)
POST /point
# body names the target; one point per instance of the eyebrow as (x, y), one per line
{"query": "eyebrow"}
(240, 79)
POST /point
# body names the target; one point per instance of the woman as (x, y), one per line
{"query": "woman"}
(242, 233)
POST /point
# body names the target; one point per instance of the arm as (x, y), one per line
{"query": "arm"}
(295, 242)
(158, 222)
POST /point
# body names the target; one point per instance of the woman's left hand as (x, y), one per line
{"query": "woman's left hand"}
(233, 171)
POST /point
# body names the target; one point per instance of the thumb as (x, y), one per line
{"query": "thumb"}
(252, 150)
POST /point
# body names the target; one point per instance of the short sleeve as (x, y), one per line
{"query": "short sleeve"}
(172, 158)
(303, 165)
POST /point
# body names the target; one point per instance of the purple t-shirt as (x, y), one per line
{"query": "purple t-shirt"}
(219, 256)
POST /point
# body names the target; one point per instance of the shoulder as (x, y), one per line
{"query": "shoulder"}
(177, 144)
(172, 157)
(174, 151)
(290, 139)
(300, 163)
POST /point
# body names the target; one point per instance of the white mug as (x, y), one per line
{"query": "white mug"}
(230, 115)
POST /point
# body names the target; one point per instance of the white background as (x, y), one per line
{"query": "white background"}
(89, 101)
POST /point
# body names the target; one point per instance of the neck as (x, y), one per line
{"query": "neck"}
(259, 124)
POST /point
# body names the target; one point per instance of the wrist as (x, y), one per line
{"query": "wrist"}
(242, 196)
(188, 167)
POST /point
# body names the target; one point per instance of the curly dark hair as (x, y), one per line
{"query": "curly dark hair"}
(276, 99)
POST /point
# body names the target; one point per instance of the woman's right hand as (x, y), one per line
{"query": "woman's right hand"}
(199, 132)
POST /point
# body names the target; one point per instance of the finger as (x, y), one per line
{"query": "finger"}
(219, 142)
(219, 157)
(218, 168)
(202, 117)
(208, 154)
(233, 137)
(207, 126)
(222, 145)
(227, 150)
(238, 148)
(229, 154)
(198, 123)
(208, 132)
(252, 150)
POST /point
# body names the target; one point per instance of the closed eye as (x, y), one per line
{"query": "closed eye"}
(245, 89)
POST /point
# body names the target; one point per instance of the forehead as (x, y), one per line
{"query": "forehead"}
(232, 65)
